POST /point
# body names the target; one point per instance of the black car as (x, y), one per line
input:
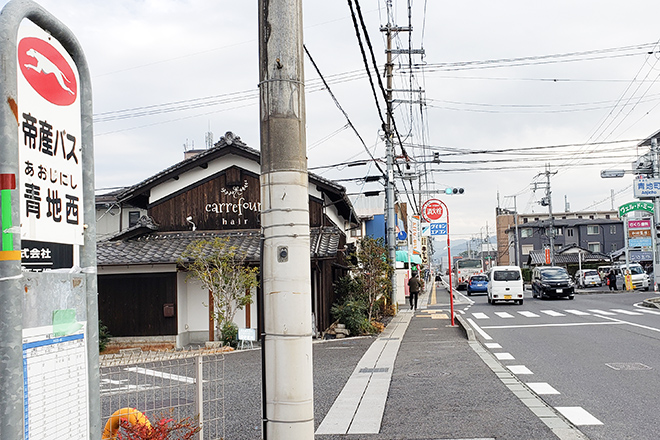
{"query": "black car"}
(552, 282)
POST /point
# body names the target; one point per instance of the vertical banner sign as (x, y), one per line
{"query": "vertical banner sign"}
(639, 233)
(415, 235)
(49, 140)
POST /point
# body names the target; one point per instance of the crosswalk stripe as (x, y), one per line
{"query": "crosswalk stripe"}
(504, 314)
(527, 314)
(479, 315)
(552, 313)
(602, 312)
(577, 312)
(653, 312)
(627, 312)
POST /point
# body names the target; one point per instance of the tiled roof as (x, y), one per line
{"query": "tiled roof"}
(538, 257)
(167, 247)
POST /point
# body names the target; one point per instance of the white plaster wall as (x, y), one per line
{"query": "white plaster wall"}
(195, 175)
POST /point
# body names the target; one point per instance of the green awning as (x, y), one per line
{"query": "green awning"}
(403, 256)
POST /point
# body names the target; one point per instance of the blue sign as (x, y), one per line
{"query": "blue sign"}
(438, 228)
(401, 235)
(639, 242)
(637, 256)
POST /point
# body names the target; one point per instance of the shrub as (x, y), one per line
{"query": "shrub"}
(229, 334)
(353, 314)
(104, 336)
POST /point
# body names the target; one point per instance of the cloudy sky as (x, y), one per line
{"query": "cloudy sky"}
(508, 87)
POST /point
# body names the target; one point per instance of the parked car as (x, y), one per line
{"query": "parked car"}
(640, 279)
(505, 283)
(588, 278)
(552, 282)
(477, 284)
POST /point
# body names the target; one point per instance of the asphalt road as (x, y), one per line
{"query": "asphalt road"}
(596, 358)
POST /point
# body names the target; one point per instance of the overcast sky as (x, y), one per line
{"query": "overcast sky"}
(518, 76)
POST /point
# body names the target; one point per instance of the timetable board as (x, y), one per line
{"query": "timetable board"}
(55, 385)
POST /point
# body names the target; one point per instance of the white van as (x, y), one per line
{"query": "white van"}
(505, 283)
(640, 278)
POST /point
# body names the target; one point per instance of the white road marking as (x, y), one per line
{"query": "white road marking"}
(527, 314)
(504, 356)
(504, 314)
(474, 325)
(602, 312)
(578, 312)
(161, 374)
(568, 324)
(519, 369)
(619, 321)
(578, 415)
(492, 345)
(653, 312)
(626, 312)
(480, 315)
(552, 313)
(542, 388)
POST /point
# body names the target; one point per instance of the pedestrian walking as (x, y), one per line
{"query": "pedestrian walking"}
(414, 285)
(611, 280)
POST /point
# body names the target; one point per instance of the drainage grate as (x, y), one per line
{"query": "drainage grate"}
(628, 366)
(428, 374)
(389, 339)
(374, 370)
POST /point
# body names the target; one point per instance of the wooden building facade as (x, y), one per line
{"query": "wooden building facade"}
(142, 290)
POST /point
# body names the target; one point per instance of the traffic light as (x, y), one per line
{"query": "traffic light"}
(436, 157)
(450, 191)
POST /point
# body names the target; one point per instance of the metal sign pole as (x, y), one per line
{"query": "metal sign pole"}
(17, 286)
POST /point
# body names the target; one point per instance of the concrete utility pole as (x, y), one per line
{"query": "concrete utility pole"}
(288, 393)
(547, 201)
(389, 184)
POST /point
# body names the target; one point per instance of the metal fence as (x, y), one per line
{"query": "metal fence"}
(170, 384)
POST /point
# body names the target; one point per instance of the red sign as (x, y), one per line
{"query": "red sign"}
(635, 224)
(547, 256)
(432, 210)
(47, 71)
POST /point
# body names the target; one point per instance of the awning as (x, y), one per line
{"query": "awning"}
(403, 256)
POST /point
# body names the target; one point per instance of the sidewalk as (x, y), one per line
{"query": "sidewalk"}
(424, 379)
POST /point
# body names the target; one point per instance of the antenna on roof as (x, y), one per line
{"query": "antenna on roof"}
(209, 137)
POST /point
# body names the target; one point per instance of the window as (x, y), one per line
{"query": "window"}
(613, 247)
(593, 230)
(594, 247)
(569, 232)
(526, 232)
(525, 220)
(558, 231)
(607, 216)
(527, 248)
(506, 275)
(133, 217)
(612, 229)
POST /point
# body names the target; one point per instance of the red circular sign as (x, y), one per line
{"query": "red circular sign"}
(432, 210)
(47, 71)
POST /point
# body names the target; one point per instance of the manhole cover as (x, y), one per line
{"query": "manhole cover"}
(628, 366)
(425, 374)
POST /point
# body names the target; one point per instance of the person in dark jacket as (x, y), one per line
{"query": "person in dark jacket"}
(611, 276)
(414, 286)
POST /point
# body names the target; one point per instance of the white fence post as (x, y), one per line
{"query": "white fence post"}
(199, 393)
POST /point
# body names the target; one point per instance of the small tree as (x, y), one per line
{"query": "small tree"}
(216, 264)
(374, 270)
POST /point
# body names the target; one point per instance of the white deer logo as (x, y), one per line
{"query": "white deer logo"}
(46, 66)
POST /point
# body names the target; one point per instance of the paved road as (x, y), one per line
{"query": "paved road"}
(595, 358)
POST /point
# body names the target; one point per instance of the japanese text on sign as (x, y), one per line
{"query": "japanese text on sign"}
(49, 148)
